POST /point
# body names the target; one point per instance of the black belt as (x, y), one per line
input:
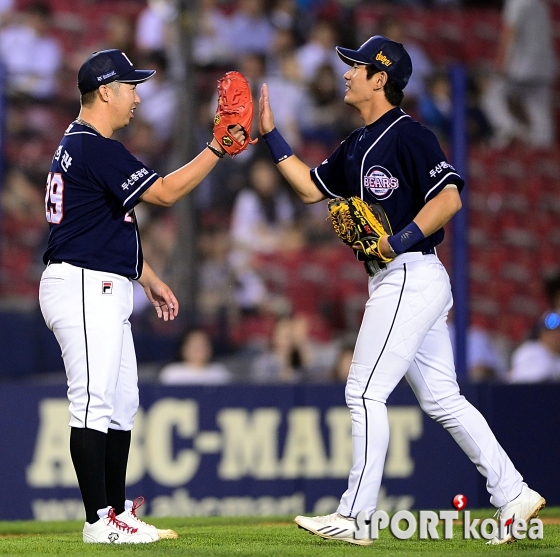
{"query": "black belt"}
(373, 266)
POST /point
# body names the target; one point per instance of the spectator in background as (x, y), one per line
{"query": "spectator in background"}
(195, 366)
(290, 108)
(249, 29)
(526, 63)
(320, 50)
(343, 361)
(283, 44)
(22, 233)
(435, 106)
(392, 28)
(143, 142)
(538, 361)
(325, 119)
(289, 15)
(261, 218)
(159, 97)
(154, 25)
(32, 57)
(485, 362)
(290, 357)
(216, 300)
(211, 44)
(119, 33)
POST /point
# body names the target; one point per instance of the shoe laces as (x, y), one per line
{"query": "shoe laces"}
(328, 518)
(136, 504)
(114, 521)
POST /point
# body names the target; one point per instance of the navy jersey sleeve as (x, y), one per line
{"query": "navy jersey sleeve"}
(113, 167)
(330, 175)
(425, 163)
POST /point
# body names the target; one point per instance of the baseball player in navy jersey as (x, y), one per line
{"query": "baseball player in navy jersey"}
(93, 255)
(396, 162)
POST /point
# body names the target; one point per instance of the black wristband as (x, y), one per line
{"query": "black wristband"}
(216, 152)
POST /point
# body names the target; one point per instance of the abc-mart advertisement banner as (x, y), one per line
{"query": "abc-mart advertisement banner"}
(278, 450)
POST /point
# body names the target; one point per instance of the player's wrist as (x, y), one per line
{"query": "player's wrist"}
(277, 145)
(215, 147)
(385, 247)
(406, 238)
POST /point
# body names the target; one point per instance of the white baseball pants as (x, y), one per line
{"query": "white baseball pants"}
(88, 312)
(404, 333)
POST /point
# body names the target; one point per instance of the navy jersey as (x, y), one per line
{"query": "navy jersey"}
(92, 189)
(395, 162)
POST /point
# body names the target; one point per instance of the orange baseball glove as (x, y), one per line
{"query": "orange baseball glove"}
(235, 106)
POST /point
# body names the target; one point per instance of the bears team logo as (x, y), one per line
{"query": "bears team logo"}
(379, 182)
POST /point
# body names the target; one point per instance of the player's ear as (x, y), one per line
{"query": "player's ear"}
(380, 80)
(103, 93)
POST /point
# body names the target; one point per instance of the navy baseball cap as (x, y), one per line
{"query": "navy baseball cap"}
(107, 66)
(384, 54)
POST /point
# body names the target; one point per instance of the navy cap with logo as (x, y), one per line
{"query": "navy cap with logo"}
(107, 66)
(384, 54)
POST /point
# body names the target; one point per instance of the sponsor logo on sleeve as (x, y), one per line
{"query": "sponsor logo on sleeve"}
(439, 168)
(133, 178)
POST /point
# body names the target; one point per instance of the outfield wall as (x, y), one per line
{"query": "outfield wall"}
(246, 450)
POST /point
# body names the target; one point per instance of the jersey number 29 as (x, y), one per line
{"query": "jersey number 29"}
(54, 197)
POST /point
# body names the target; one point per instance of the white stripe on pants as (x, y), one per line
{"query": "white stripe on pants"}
(404, 331)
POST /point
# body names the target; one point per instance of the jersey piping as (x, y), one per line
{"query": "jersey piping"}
(80, 133)
(437, 185)
(140, 187)
(323, 183)
(371, 147)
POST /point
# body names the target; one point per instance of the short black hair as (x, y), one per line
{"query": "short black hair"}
(393, 93)
(87, 99)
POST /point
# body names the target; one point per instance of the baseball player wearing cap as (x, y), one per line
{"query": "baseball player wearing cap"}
(396, 162)
(93, 255)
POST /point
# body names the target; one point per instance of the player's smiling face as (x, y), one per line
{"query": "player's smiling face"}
(125, 101)
(359, 89)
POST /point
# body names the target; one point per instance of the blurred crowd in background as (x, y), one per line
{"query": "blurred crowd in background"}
(279, 298)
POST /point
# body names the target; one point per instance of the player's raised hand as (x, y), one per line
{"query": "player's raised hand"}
(266, 118)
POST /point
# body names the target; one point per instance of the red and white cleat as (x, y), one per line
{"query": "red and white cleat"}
(130, 517)
(110, 529)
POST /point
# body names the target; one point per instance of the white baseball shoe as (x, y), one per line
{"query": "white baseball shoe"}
(526, 506)
(130, 517)
(332, 527)
(110, 529)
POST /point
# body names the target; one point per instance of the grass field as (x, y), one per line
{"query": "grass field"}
(262, 537)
